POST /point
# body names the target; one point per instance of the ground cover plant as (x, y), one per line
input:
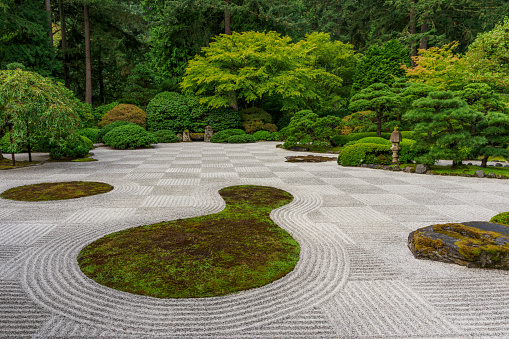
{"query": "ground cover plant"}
(56, 191)
(236, 249)
(129, 137)
(7, 164)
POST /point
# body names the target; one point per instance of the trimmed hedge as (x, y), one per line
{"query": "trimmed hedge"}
(222, 136)
(129, 136)
(90, 133)
(124, 112)
(501, 218)
(262, 135)
(88, 142)
(106, 129)
(241, 139)
(165, 136)
(74, 147)
(256, 119)
(221, 119)
(373, 140)
(357, 154)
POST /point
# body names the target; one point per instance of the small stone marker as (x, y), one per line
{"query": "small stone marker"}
(479, 174)
(185, 136)
(396, 138)
(179, 136)
(208, 134)
(421, 169)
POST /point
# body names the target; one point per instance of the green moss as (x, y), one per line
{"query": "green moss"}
(56, 191)
(236, 249)
(422, 243)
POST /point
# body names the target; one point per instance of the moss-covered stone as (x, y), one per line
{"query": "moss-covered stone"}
(472, 244)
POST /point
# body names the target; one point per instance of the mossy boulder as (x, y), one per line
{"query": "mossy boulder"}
(472, 244)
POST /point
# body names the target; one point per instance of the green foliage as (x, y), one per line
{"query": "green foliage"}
(409, 153)
(487, 58)
(87, 141)
(129, 137)
(15, 65)
(222, 136)
(373, 140)
(176, 112)
(99, 111)
(379, 99)
(262, 135)
(36, 107)
(72, 147)
(165, 136)
(256, 119)
(307, 127)
(380, 65)
(124, 112)
(443, 126)
(361, 135)
(243, 68)
(241, 139)
(140, 86)
(221, 119)
(90, 133)
(106, 129)
(357, 154)
(501, 218)
(5, 145)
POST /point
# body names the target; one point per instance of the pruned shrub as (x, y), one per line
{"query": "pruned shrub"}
(241, 139)
(307, 127)
(262, 135)
(373, 140)
(124, 112)
(165, 136)
(72, 147)
(501, 218)
(99, 111)
(103, 131)
(358, 136)
(256, 119)
(129, 137)
(87, 141)
(339, 140)
(357, 154)
(221, 119)
(409, 152)
(90, 133)
(176, 112)
(223, 136)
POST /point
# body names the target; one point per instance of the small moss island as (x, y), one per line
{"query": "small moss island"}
(56, 191)
(473, 244)
(236, 249)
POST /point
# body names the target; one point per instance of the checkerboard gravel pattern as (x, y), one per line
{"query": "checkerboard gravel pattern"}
(355, 278)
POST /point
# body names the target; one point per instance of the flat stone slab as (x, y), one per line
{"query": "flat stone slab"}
(309, 158)
(473, 244)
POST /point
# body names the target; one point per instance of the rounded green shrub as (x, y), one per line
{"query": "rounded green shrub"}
(409, 153)
(357, 154)
(90, 133)
(169, 111)
(165, 136)
(221, 119)
(262, 135)
(256, 119)
(275, 136)
(222, 136)
(373, 140)
(73, 147)
(129, 136)
(124, 112)
(106, 129)
(339, 140)
(501, 218)
(360, 135)
(88, 142)
(241, 139)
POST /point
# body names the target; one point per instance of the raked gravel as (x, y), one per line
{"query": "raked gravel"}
(355, 278)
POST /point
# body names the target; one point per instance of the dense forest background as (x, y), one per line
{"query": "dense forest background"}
(128, 51)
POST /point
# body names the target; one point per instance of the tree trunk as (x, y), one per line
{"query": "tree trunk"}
(88, 61)
(232, 98)
(63, 33)
(47, 5)
(484, 162)
(12, 148)
(29, 145)
(424, 29)
(338, 21)
(379, 125)
(413, 30)
(227, 19)
(100, 77)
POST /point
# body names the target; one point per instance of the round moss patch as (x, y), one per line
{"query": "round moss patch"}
(56, 191)
(236, 249)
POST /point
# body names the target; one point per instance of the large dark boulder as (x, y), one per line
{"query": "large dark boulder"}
(471, 244)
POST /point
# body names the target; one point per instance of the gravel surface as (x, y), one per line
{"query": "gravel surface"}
(356, 277)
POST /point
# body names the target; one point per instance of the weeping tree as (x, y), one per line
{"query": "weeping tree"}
(32, 106)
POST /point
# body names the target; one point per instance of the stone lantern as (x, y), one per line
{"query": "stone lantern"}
(396, 138)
